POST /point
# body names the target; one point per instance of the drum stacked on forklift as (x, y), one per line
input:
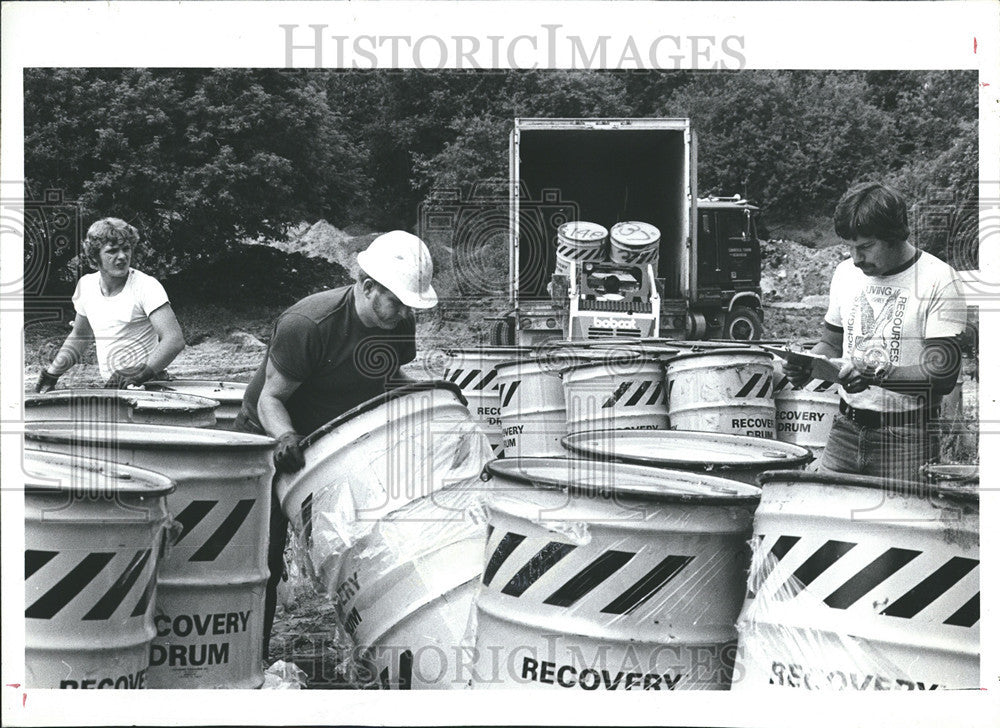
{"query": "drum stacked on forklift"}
(580, 242)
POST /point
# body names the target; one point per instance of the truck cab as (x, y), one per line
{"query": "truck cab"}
(728, 268)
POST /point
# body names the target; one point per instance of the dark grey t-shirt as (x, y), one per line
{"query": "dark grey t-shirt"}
(321, 342)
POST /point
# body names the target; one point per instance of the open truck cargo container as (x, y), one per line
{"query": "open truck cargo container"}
(612, 170)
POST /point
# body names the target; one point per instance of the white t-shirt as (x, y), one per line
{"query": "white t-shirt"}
(889, 318)
(122, 330)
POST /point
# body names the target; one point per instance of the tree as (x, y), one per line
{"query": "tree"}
(196, 160)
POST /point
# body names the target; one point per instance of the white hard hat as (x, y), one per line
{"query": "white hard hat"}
(402, 263)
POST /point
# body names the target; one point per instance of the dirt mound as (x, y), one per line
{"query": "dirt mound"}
(792, 272)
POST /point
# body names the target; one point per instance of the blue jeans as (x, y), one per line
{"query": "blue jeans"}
(890, 453)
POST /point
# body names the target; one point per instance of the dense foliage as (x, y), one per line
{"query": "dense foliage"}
(199, 160)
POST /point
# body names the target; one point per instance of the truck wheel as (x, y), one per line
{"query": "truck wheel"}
(744, 324)
(502, 333)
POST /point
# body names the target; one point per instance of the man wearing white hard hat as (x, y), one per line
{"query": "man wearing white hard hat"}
(330, 352)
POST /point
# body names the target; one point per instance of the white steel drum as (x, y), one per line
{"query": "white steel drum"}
(93, 533)
(387, 508)
(209, 614)
(620, 394)
(474, 371)
(725, 390)
(602, 577)
(580, 242)
(532, 409)
(861, 584)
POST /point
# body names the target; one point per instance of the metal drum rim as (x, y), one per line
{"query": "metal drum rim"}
(619, 360)
(730, 351)
(134, 480)
(167, 385)
(586, 225)
(129, 397)
(61, 431)
(653, 461)
(865, 481)
(452, 351)
(740, 493)
(378, 401)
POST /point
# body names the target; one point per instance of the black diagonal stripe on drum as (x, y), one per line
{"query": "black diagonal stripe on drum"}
(616, 395)
(192, 515)
(782, 383)
(486, 380)
(637, 394)
(782, 546)
(920, 596)
(967, 615)
(823, 386)
(147, 595)
(748, 387)
(588, 578)
(766, 388)
(473, 373)
(548, 556)
(648, 585)
(870, 577)
(35, 560)
(306, 516)
(657, 393)
(114, 596)
(508, 543)
(778, 551)
(509, 393)
(825, 556)
(457, 373)
(670, 389)
(210, 550)
(64, 590)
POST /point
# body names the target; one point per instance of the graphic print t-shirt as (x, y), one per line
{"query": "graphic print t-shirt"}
(888, 318)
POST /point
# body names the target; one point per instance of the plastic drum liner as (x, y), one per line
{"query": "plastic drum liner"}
(388, 510)
(860, 584)
(229, 395)
(610, 577)
(580, 242)
(617, 395)
(130, 406)
(532, 409)
(92, 539)
(210, 597)
(727, 456)
(723, 390)
(474, 372)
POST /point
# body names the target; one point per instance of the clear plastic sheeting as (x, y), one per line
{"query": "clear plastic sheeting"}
(857, 584)
(605, 577)
(389, 516)
(284, 676)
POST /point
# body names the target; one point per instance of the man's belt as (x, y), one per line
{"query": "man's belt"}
(874, 419)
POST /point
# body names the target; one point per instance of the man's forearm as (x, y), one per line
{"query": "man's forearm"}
(274, 417)
(164, 353)
(70, 354)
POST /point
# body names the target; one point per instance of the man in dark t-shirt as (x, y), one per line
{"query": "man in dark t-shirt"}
(330, 352)
(339, 361)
